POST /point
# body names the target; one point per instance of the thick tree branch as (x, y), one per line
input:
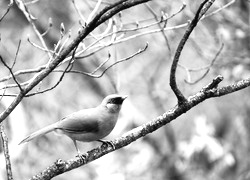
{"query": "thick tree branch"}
(200, 12)
(209, 91)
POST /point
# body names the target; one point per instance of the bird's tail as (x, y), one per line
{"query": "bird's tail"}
(39, 133)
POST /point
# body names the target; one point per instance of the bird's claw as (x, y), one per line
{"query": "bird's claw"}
(82, 157)
(108, 143)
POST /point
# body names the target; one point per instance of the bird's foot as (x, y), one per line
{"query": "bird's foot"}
(82, 157)
(107, 143)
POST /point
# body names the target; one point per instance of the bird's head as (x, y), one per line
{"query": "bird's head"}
(113, 102)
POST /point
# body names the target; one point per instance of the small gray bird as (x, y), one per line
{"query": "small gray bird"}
(88, 124)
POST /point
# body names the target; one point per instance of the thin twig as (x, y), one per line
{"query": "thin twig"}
(165, 19)
(8, 86)
(39, 47)
(207, 68)
(94, 11)
(50, 24)
(11, 72)
(30, 18)
(20, 72)
(8, 95)
(110, 66)
(11, 68)
(8, 9)
(82, 18)
(68, 68)
(213, 84)
(118, 41)
(6, 152)
(221, 8)
(31, 2)
(205, 5)
(78, 11)
(161, 27)
(102, 64)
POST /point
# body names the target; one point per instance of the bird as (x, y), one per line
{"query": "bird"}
(86, 125)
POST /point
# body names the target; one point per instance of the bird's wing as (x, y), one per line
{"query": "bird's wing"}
(83, 121)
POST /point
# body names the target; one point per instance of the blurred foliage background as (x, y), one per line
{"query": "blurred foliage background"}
(212, 141)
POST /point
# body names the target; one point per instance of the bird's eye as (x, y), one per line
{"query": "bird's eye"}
(116, 100)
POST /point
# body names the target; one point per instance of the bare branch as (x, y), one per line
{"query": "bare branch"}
(84, 19)
(10, 68)
(221, 8)
(200, 12)
(8, 9)
(207, 68)
(213, 84)
(30, 18)
(31, 2)
(102, 64)
(8, 86)
(160, 26)
(6, 152)
(50, 24)
(110, 66)
(68, 68)
(8, 95)
(11, 72)
(165, 19)
(94, 11)
(20, 72)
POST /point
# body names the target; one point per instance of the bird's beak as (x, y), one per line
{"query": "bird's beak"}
(124, 97)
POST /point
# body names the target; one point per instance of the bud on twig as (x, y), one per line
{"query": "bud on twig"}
(62, 29)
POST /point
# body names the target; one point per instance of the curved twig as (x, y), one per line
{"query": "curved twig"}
(199, 14)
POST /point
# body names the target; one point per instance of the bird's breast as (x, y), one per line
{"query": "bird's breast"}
(107, 123)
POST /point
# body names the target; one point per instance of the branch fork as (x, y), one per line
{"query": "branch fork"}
(200, 12)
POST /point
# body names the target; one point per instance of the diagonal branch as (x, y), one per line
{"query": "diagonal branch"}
(199, 14)
(11, 68)
(11, 72)
(8, 9)
(209, 91)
